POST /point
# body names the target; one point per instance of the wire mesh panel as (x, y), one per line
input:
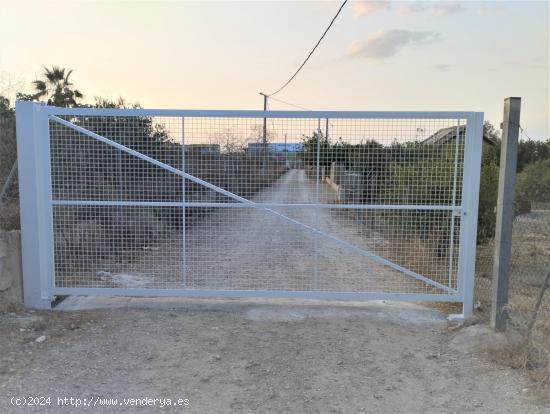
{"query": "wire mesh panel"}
(309, 202)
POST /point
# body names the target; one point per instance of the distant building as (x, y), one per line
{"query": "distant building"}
(274, 147)
(203, 149)
(445, 135)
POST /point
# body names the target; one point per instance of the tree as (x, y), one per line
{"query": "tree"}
(5, 105)
(55, 87)
(534, 181)
(488, 193)
(531, 151)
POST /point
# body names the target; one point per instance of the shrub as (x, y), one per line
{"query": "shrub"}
(534, 181)
(488, 192)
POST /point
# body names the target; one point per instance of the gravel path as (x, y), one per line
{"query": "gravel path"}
(246, 357)
(246, 248)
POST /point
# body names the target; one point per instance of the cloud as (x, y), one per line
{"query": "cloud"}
(438, 10)
(442, 67)
(540, 62)
(489, 9)
(386, 43)
(365, 8)
(445, 10)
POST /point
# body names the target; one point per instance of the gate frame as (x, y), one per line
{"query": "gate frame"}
(36, 205)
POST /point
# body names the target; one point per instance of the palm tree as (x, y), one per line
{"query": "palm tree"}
(56, 87)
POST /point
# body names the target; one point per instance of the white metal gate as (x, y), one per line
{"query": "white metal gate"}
(320, 204)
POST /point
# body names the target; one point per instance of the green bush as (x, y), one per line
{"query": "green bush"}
(488, 192)
(534, 181)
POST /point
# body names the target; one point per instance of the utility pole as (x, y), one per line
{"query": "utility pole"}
(505, 212)
(264, 134)
(265, 119)
(286, 154)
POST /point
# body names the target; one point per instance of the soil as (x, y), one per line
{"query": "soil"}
(239, 356)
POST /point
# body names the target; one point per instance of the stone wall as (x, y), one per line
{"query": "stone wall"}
(11, 276)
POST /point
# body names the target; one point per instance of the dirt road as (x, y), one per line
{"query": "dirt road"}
(253, 249)
(245, 357)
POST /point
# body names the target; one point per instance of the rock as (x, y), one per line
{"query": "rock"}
(39, 326)
(477, 403)
(479, 338)
(40, 339)
(457, 321)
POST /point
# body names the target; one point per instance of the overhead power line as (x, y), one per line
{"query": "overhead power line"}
(521, 130)
(289, 104)
(524, 133)
(313, 50)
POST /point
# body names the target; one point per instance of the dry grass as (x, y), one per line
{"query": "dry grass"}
(530, 255)
(525, 356)
(447, 308)
(532, 360)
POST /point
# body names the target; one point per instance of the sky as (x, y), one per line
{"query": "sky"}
(379, 55)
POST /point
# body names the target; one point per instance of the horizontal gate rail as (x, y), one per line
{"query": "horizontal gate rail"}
(245, 201)
(258, 114)
(254, 205)
(212, 293)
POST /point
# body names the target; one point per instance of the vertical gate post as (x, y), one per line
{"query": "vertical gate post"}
(505, 212)
(468, 221)
(184, 208)
(317, 201)
(33, 167)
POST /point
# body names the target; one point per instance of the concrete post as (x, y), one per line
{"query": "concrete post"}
(505, 212)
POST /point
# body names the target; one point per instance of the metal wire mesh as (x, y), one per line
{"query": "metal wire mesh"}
(529, 260)
(312, 204)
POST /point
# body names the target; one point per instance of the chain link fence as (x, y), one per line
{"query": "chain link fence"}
(529, 262)
(9, 194)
